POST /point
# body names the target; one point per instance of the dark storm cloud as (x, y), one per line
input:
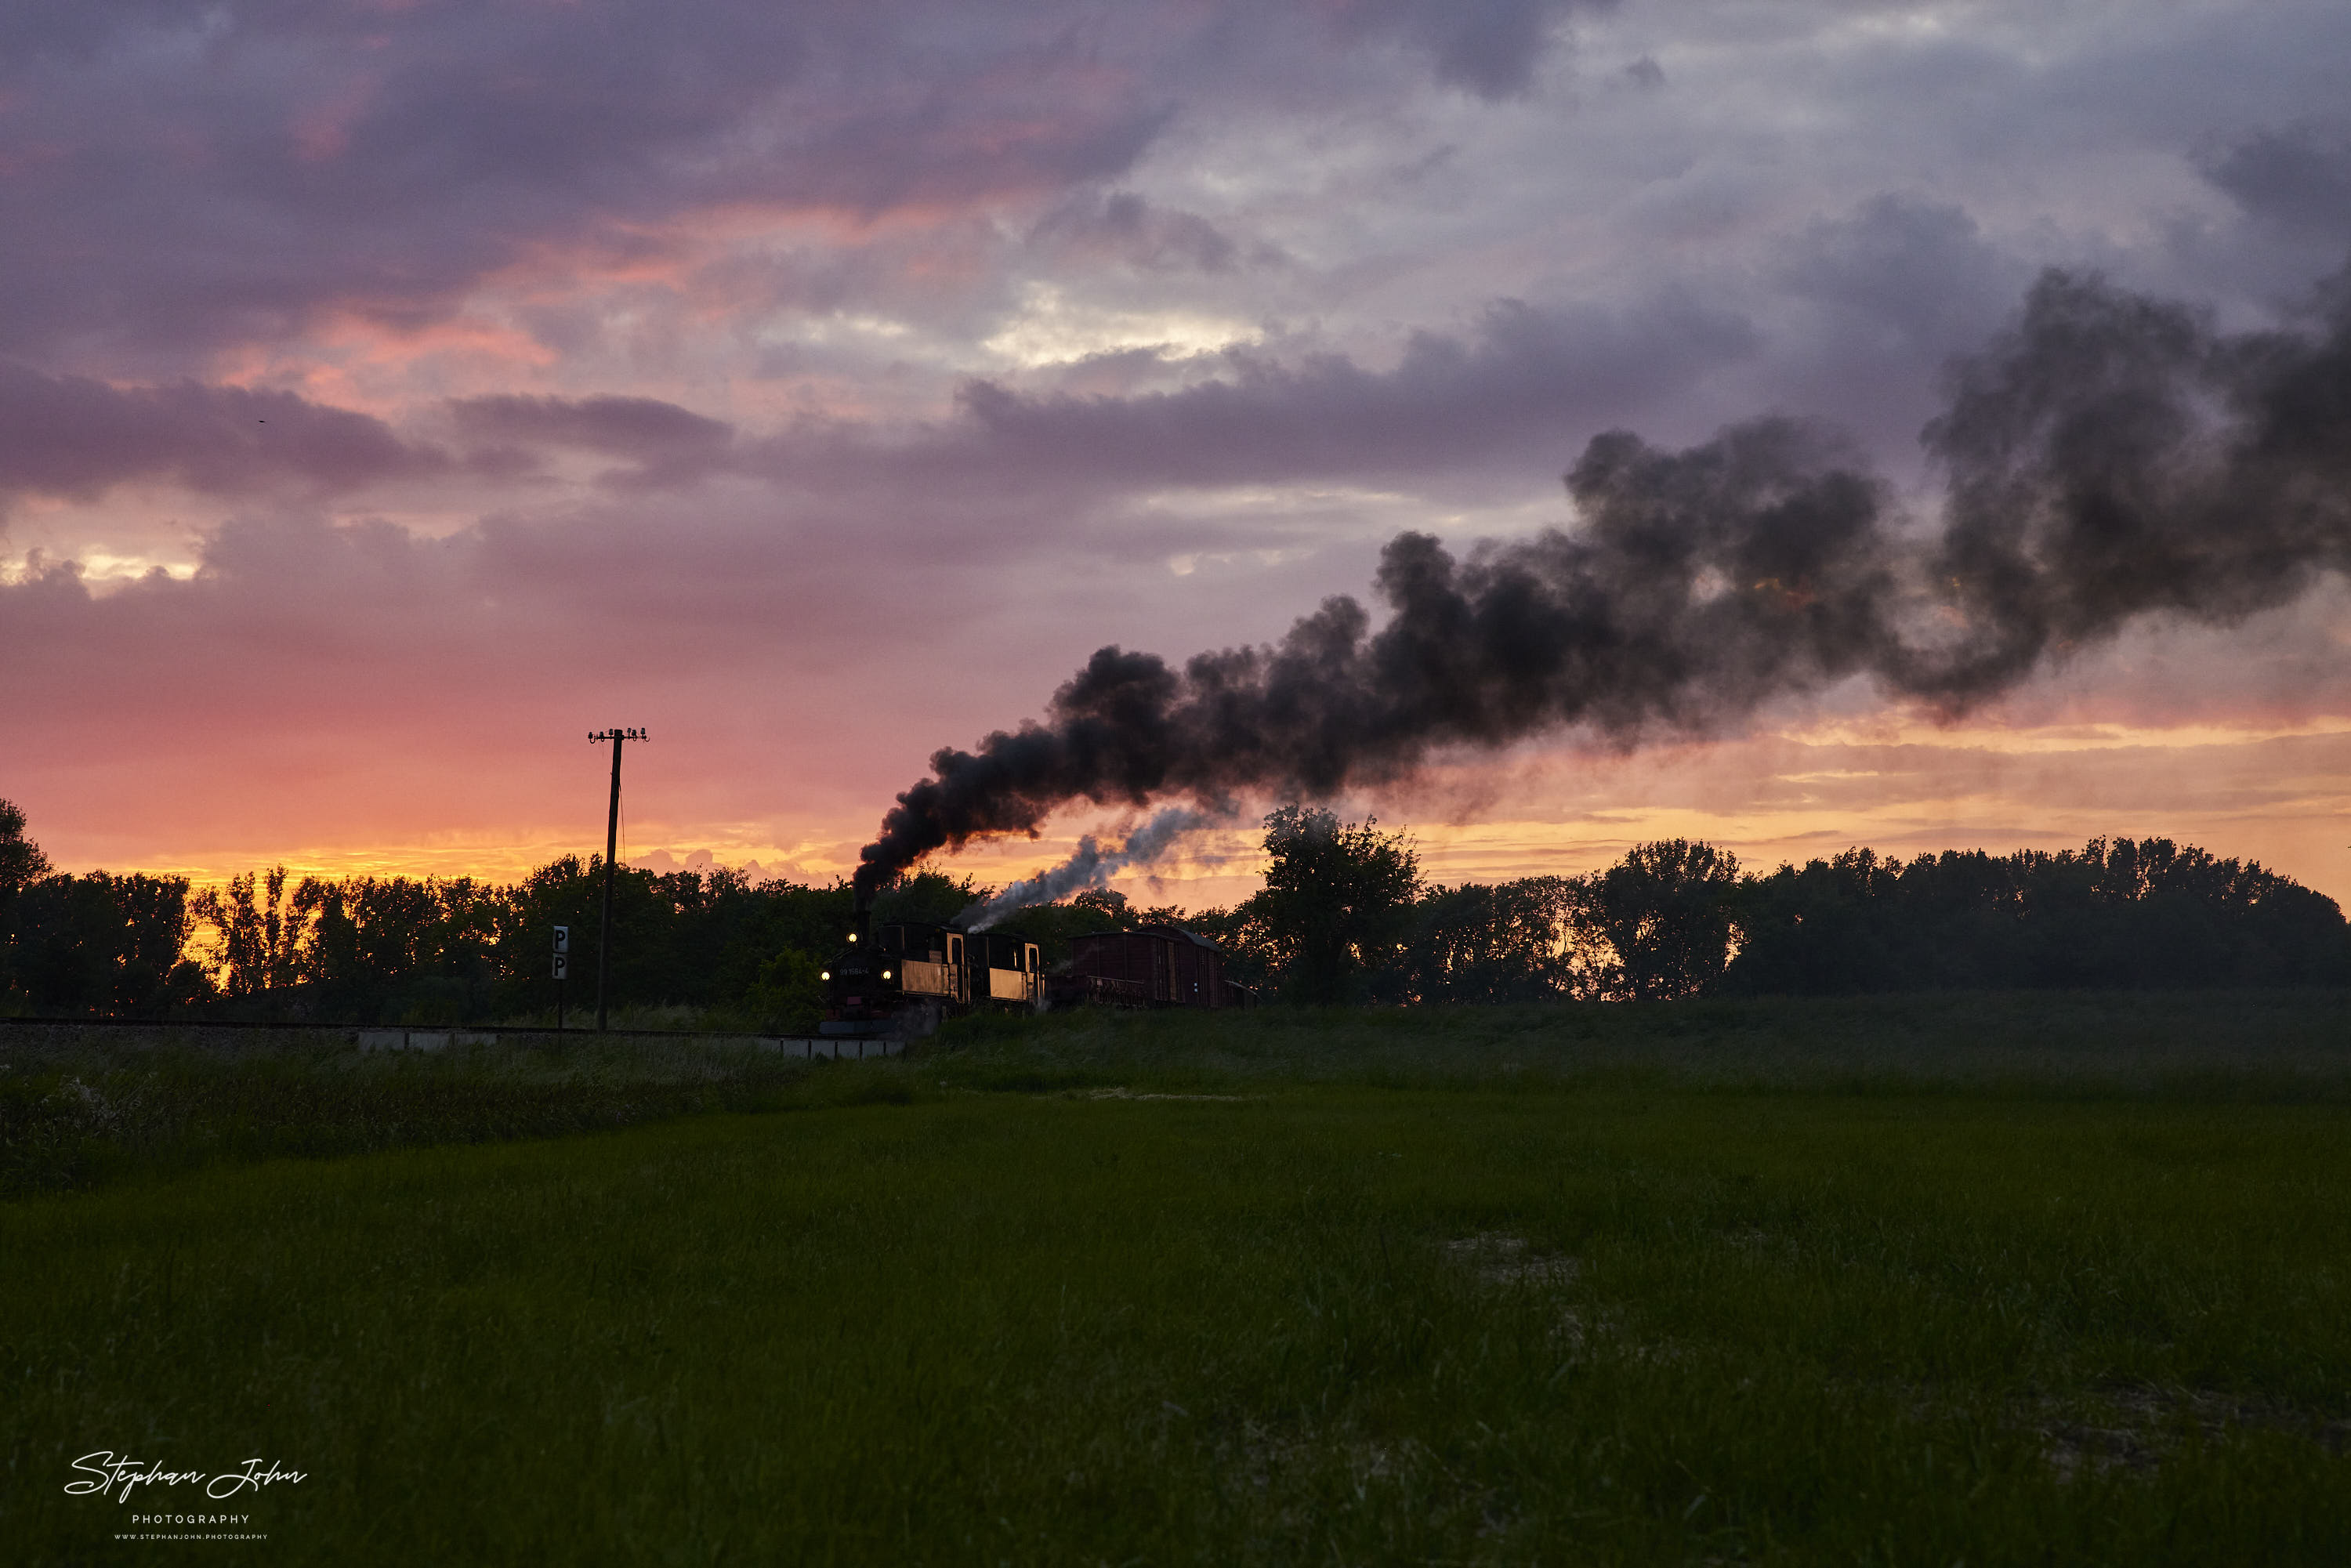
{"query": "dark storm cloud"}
(1518, 384)
(71, 436)
(2108, 457)
(178, 175)
(2299, 179)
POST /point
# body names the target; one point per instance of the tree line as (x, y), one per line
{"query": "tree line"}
(1344, 914)
(273, 946)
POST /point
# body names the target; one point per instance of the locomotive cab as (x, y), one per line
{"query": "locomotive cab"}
(930, 959)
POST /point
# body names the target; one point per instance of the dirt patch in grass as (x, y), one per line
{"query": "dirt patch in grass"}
(1497, 1258)
(1131, 1095)
(2132, 1428)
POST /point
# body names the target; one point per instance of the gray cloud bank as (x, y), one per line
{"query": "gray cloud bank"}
(189, 176)
(1516, 385)
(1510, 391)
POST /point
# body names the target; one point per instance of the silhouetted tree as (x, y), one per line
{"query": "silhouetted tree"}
(393, 948)
(789, 995)
(1665, 911)
(105, 945)
(1053, 926)
(1504, 942)
(22, 863)
(259, 927)
(2120, 914)
(1336, 909)
(926, 898)
(1812, 930)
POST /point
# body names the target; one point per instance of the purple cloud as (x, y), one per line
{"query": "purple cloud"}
(72, 436)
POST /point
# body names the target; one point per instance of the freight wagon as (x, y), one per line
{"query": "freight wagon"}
(1150, 967)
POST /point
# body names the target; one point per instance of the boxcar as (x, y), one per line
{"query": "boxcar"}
(1150, 967)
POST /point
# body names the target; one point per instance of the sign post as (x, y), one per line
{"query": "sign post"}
(562, 970)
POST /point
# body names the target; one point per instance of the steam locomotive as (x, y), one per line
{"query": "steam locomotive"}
(904, 978)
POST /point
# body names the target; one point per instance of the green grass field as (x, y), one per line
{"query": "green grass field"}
(1992, 1280)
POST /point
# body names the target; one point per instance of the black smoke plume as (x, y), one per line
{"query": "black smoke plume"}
(2107, 457)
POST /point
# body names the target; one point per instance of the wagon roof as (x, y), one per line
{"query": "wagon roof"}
(1171, 933)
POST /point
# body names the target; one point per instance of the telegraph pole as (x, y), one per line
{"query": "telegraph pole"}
(611, 847)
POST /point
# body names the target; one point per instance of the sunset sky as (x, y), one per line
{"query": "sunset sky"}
(391, 392)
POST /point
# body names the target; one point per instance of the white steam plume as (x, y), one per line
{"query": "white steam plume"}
(1092, 866)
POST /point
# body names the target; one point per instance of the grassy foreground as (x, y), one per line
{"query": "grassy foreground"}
(1996, 1281)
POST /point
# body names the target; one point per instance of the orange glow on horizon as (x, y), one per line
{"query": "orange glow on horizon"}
(2278, 795)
